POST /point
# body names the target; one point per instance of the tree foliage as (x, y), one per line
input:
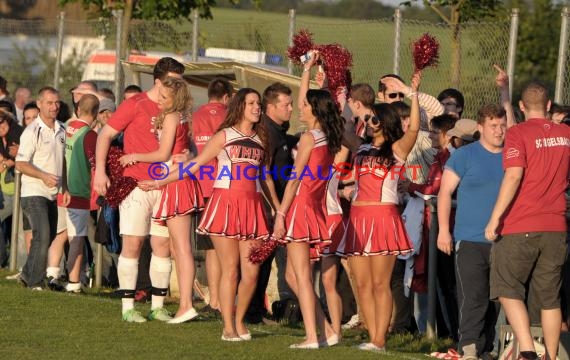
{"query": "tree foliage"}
(149, 9)
(466, 9)
(537, 47)
(32, 67)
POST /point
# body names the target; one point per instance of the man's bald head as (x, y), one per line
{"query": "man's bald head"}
(88, 107)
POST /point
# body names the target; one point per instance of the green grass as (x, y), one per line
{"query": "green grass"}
(50, 325)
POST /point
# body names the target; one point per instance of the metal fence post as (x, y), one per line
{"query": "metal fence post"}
(60, 30)
(291, 34)
(16, 211)
(195, 37)
(118, 14)
(562, 54)
(512, 48)
(431, 332)
(397, 33)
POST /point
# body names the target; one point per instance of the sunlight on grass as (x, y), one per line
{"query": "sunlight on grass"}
(50, 325)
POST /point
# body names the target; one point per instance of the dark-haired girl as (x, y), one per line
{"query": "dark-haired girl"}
(301, 218)
(376, 233)
(234, 212)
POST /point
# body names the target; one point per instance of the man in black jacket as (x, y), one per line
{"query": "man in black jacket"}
(277, 107)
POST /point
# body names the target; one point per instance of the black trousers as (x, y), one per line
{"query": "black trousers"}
(257, 310)
(477, 314)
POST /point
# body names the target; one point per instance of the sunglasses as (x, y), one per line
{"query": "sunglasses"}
(396, 95)
(372, 118)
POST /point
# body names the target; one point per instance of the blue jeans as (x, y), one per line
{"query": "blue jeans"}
(42, 215)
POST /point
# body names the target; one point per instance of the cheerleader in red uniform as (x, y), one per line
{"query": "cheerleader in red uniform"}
(330, 261)
(301, 218)
(178, 199)
(234, 217)
(376, 233)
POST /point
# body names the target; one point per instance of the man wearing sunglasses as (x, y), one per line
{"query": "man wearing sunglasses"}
(391, 88)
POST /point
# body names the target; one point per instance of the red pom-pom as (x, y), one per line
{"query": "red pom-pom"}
(302, 43)
(120, 186)
(259, 254)
(425, 51)
(337, 61)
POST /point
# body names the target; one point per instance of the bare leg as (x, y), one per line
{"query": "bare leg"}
(75, 258)
(517, 315)
(179, 230)
(247, 284)
(381, 274)
(56, 249)
(290, 277)
(298, 253)
(213, 274)
(551, 323)
(329, 267)
(361, 270)
(346, 265)
(228, 256)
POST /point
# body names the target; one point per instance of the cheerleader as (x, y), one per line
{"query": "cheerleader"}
(234, 217)
(178, 199)
(301, 219)
(330, 261)
(376, 233)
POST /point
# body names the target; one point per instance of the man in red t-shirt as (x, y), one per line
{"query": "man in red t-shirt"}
(135, 118)
(205, 123)
(532, 206)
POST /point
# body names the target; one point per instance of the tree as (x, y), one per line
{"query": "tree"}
(537, 47)
(455, 12)
(32, 67)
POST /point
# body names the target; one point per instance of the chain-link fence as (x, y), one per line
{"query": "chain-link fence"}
(466, 59)
(28, 48)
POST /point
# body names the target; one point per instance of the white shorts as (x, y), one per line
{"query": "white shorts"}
(135, 212)
(77, 222)
(61, 219)
(158, 230)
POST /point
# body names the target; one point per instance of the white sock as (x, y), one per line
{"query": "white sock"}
(160, 269)
(52, 271)
(127, 272)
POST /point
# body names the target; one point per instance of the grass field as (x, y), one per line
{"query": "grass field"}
(50, 325)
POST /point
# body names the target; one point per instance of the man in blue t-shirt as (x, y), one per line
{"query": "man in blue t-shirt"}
(476, 172)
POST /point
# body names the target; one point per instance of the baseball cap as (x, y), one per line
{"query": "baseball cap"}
(464, 129)
(106, 104)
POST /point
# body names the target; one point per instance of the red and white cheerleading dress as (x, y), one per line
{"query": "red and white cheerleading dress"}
(375, 229)
(306, 217)
(235, 209)
(183, 196)
(333, 211)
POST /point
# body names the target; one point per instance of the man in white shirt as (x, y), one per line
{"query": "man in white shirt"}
(40, 159)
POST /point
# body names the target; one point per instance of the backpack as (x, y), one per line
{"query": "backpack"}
(107, 230)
